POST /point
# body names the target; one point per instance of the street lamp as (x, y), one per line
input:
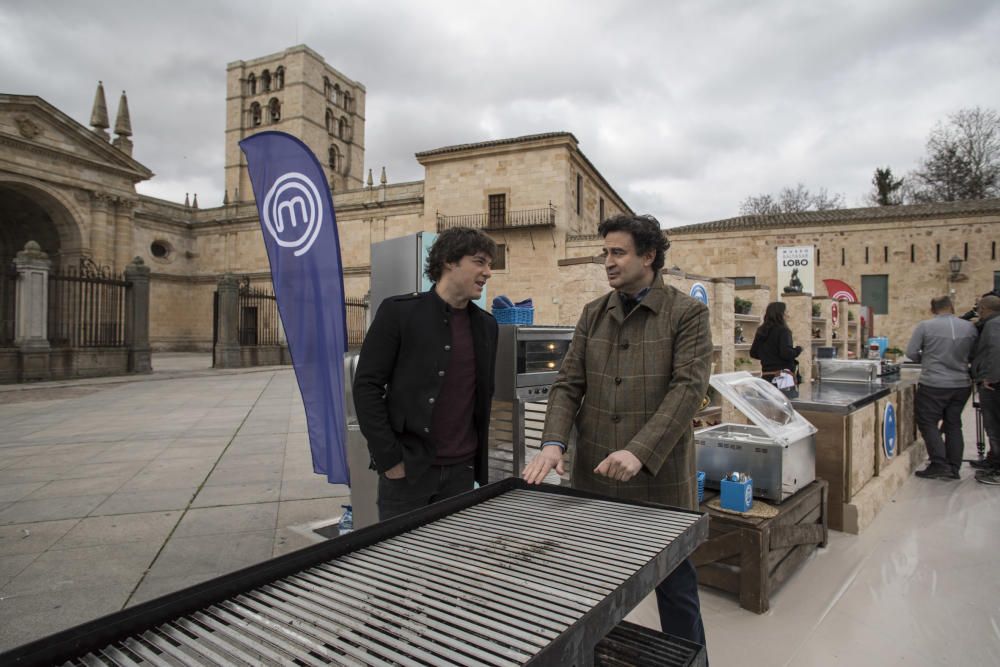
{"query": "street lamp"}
(955, 266)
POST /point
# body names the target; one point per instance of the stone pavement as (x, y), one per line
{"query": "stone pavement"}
(117, 490)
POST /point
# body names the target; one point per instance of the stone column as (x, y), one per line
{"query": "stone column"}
(122, 240)
(32, 316)
(854, 331)
(100, 205)
(841, 329)
(227, 346)
(799, 317)
(137, 317)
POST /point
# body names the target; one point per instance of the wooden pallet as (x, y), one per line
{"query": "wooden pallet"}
(751, 557)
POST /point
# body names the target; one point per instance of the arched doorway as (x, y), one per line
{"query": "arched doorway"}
(28, 213)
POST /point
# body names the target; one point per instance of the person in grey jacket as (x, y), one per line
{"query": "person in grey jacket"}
(943, 345)
(986, 374)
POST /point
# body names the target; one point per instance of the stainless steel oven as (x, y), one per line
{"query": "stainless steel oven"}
(528, 358)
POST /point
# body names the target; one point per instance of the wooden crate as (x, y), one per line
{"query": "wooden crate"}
(752, 557)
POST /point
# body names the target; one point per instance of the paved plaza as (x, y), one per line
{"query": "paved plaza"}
(113, 492)
(117, 490)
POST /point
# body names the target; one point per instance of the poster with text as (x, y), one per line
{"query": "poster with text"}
(796, 269)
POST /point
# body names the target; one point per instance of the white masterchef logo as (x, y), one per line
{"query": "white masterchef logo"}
(293, 212)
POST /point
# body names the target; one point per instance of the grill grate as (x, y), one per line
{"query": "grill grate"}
(521, 577)
(631, 645)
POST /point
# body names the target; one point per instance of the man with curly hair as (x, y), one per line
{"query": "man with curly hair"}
(632, 379)
(424, 380)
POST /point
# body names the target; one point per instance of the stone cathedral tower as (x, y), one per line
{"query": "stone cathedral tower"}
(295, 91)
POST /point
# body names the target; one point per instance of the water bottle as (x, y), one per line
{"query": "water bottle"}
(346, 524)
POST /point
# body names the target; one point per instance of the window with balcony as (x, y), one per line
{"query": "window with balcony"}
(497, 210)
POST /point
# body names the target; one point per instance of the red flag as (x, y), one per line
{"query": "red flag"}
(838, 289)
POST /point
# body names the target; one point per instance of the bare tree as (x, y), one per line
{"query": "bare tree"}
(760, 205)
(887, 190)
(791, 200)
(963, 159)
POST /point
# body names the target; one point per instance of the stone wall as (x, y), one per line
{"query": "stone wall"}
(912, 282)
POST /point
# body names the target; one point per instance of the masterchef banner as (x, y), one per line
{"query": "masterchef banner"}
(796, 269)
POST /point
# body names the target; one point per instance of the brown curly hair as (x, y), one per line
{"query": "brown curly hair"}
(452, 245)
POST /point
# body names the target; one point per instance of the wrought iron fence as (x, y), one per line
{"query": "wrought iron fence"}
(87, 306)
(531, 217)
(8, 303)
(357, 317)
(259, 323)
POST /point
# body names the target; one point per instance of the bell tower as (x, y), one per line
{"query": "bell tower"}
(297, 92)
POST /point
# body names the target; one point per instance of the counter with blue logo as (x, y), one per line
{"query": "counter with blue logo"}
(863, 444)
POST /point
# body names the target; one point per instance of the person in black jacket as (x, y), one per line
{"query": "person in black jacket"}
(974, 313)
(424, 380)
(773, 345)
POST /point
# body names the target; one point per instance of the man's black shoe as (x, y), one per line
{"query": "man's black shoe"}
(985, 464)
(937, 472)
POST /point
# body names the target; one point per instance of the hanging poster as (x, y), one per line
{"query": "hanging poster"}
(796, 269)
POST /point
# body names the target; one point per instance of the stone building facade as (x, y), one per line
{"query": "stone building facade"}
(905, 248)
(72, 189)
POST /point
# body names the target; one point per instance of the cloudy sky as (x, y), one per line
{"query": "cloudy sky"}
(686, 107)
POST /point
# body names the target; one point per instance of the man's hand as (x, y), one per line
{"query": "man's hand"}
(550, 457)
(397, 471)
(621, 466)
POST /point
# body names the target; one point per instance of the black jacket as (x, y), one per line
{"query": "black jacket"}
(774, 349)
(399, 376)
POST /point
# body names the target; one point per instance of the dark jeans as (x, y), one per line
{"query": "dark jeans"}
(989, 406)
(399, 496)
(680, 609)
(938, 405)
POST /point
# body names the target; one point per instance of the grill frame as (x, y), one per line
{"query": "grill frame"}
(574, 645)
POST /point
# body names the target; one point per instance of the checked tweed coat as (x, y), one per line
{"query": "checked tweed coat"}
(635, 382)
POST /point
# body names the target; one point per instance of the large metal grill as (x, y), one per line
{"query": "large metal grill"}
(505, 575)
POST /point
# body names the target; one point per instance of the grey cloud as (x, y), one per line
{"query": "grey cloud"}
(685, 107)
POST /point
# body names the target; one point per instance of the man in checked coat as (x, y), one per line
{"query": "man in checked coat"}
(634, 376)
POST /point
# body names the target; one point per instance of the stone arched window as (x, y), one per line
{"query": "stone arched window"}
(279, 78)
(255, 114)
(348, 102)
(335, 98)
(334, 158)
(251, 85)
(343, 129)
(326, 87)
(331, 121)
(274, 110)
(265, 81)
